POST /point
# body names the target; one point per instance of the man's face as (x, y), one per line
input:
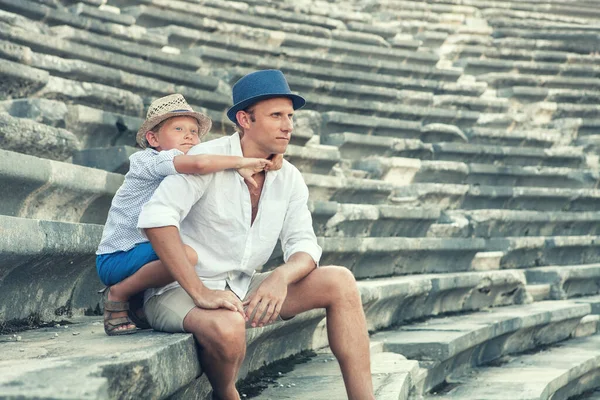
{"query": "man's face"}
(176, 133)
(272, 127)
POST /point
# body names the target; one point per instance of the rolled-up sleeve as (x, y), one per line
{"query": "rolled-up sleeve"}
(172, 201)
(151, 164)
(298, 234)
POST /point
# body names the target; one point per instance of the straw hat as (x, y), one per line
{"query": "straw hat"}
(173, 105)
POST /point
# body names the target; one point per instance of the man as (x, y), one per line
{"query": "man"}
(234, 227)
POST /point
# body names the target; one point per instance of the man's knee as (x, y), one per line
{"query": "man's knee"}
(341, 283)
(226, 337)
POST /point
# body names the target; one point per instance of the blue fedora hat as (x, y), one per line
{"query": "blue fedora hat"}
(261, 85)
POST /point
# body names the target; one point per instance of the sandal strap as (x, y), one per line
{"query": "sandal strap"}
(116, 306)
(116, 322)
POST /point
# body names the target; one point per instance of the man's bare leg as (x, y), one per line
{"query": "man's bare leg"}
(334, 288)
(222, 338)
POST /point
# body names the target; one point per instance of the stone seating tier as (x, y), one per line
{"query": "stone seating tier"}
(567, 281)
(355, 145)
(400, 170)
(562, 372)
(458, 343)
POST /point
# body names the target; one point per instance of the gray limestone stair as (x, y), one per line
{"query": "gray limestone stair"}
(567, 281)
(27, 136)
(478, 67)
(454, 196)
(562, 371)
(499, 223)
(285, 34)
(320, 379)
(401, 170)
(35, 11)
(353, 90)
(504, 80)
(91, 358)
(451, 345)
(104, 14)
(517, 49)
(581, 97)
(39, 188)
(333, 219)
(354, 145)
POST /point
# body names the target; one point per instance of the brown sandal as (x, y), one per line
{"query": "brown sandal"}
(111, 324)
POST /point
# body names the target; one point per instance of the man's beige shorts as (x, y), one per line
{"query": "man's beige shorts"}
(166, 312)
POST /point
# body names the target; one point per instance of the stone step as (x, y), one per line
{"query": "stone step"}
(539, 292)
(92, 64)
(517, 49)
(285, 34)
(92, 127)
(500, 223)
(343, 89)
(219, 57)
(44, 189)
(563, 371)
(385, 256)
(355, 146)
(35, 11)
(528, 252)
(567, 281)
(473, 197)
(347, 190)
(321, 379)
(458, 343)
(77, 347)
(183, 38)
(415, 120)
(527, 94)
(26, 136)
(403, 171)
(33, 81)
(102, 14)
(589, 38)
(332, 219)
(582, 10)
(503, 80)
(479, 67)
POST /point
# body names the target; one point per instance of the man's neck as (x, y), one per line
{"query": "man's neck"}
(250, 149)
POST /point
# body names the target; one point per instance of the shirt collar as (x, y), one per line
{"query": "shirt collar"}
(236, 150)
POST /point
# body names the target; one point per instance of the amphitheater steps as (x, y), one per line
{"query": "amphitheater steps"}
(559, 372)
(456, 344)
(320, 379)
(567, 281)
(353, 145)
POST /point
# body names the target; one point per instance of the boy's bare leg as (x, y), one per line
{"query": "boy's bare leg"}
(334, 288)
(154, 274)
(222, 338)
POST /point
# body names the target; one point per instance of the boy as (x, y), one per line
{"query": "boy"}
(125, 260)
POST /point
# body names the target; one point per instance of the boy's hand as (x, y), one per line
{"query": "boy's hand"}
(277, 162)
(250, 166)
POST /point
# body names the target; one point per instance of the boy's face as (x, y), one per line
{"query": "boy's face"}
(176, 133)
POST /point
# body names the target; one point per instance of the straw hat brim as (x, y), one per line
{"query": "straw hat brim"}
(297, 102)
(204, 124)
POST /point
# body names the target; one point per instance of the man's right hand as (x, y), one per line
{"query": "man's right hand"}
(214, 299)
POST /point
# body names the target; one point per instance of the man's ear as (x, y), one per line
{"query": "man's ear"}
(152, 139)
(243, 119)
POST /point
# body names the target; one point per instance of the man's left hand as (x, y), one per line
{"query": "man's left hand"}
(264, 305)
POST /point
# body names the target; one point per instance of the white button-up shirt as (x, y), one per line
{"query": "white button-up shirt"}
(213, 214)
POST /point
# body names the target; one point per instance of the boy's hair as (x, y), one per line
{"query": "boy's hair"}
(157, 127)
(249, 110)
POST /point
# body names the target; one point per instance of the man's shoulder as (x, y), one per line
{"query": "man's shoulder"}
(215, 146)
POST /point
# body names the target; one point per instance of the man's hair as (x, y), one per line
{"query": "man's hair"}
(249, 110)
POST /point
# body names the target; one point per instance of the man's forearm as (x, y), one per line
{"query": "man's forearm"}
(297, 267)
(167, 244)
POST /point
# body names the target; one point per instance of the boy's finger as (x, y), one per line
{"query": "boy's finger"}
(228, 305)
(252, 182)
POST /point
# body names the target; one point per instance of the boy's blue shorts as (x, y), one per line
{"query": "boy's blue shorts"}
(114, 267)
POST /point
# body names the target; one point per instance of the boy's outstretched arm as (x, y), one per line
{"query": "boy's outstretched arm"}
(208, 163)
